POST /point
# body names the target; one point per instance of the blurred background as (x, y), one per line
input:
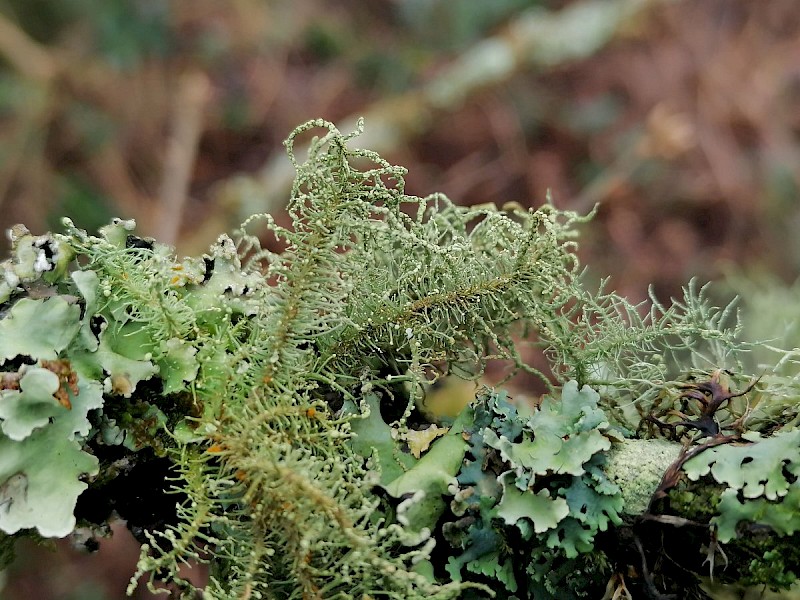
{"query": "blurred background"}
(681, 118)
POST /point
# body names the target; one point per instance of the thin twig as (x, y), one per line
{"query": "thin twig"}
(193, 94)
(28, 57)
(536, 39)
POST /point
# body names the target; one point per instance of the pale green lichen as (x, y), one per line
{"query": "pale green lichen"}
(33, 258)
(42, 479)
(762, 480)
(637, 467)
(551, 494)
(40, 329)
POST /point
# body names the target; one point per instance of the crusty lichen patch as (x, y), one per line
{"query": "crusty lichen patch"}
(637, 467)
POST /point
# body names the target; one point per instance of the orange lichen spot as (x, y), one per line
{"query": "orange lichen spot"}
(9, 381)
(62, 398)
(68, 380)
(311, 412)
(215, 449)
(267, 379)
(241, 475)
(121, 385)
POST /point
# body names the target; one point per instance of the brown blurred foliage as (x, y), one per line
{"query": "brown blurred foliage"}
(683, 126)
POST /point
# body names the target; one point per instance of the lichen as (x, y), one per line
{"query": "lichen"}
(637, 467)
(273, 404)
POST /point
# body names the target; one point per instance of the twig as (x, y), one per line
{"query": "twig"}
(650, 587)
(711, 395)
(190, 102)
(536, 39)
(27, 56)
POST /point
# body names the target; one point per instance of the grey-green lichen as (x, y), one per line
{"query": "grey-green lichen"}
(637, 467)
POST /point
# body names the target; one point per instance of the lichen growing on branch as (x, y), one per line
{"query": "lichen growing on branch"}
(282, 392)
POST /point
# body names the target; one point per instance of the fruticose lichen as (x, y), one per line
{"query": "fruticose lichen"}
(268, 407)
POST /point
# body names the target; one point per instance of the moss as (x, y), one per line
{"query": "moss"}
(757, 556)
(697, 503)
(6, 550)
(770, 569)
